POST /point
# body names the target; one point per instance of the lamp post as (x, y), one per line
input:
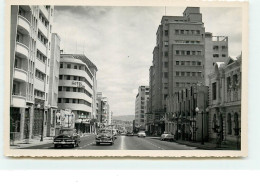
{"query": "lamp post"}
(202, 129)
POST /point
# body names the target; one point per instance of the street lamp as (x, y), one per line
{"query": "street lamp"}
(202, 129)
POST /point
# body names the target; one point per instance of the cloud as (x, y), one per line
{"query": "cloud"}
(120, 41)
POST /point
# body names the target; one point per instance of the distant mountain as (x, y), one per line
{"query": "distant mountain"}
(124, 117)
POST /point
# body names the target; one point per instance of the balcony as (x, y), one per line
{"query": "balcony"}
(22, 50)
(44, 12)
(23, 25)
(43, 29)
(42, 47)
(75, 106)
(39, 84)
(19, 100)
(40, 65)
(20, 74)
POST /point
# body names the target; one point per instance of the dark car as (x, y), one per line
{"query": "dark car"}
(105, 136)
(67, 136)
(129, 134)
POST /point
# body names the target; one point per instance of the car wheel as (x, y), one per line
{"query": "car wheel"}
(97, 143)
(55, 146)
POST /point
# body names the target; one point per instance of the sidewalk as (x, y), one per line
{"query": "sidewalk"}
(209, 145)
(32, 142)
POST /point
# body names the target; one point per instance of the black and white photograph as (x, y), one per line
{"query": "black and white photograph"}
(110, 80)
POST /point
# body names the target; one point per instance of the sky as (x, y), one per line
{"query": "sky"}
(120, 42)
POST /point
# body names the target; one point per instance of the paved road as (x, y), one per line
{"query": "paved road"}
(122, 143)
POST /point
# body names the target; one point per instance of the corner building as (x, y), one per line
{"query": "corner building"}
(30, 50)
(178, 58)
(76, 86)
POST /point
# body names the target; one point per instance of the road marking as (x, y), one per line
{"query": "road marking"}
(154, 145)
(122, 144)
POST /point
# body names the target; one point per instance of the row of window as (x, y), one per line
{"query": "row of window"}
(182, 73)
(187, 41)
(75, 101)
(74, 89)
(40, 94)
(76, 78)
(217, 55)
(184, 52)
(187, 32)
(41, 56)
(217, 47)
(44, 20)
(75, 66)
(184, 84)
(39, 75)
(188, 63)
(42, 38)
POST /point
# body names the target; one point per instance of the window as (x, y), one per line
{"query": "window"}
(198, 52)
(60, 88)
(177, 32)
(75, 67)
(166, 43)
(177, 52)
(182, 31)
(61, 65)
(214, 91)
(59, 100)
(165, 74)
(166, 64)
(60, 77)
(177, 73)
(177, 63)
(182, 73)
(177, 84)
(193, 52)
(188, 52)
(198, 63)
(197, 32)
(166, 32)
(215, 47)
(215, 55)
(74, 89)
(68, 89)
(188, 73)
(193, 74)
(224, 47)
(187, 32)
(74, 101)
(182, 52)
(182, 63)
(166, 53)
(187, 63)
(193, 63)
(68, 66)
(67, 100)
(74, 77)
(199, 74)
(223, 55)
(68, 77)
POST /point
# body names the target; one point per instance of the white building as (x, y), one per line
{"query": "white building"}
(140, 106)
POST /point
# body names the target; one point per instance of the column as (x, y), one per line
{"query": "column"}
(31, 121)
(22, 112)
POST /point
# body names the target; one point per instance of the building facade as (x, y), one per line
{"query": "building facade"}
(30, 46)
(76, 88)
(216, 50)
(182, 120)
(178, 59)
(225, 101)
(140, 107)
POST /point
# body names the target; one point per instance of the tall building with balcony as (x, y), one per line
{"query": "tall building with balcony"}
(76, 86)
(216, 50)
(30, 46)
(178, 58)
(103, 109)
(140, 107)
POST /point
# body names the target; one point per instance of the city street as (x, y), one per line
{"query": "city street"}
(121, 143)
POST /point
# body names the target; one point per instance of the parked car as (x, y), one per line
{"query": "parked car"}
(129, 134)
(141, 134)
(105, 136)
(167, 137)
(67, 136)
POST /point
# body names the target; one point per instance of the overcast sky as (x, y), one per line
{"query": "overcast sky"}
(120, 41)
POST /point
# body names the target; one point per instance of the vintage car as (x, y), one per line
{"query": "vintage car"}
(141, 134)
(115, 133)
(129, 134)
(167, 137)
(105, 136)
(67, 136)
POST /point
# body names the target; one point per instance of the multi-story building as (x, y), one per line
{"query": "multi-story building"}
(30, 46)
(53, 83)
(225, 101)
(76, 91)
(178, 58)
(216, 50)
(140, 106)
(103, 109)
